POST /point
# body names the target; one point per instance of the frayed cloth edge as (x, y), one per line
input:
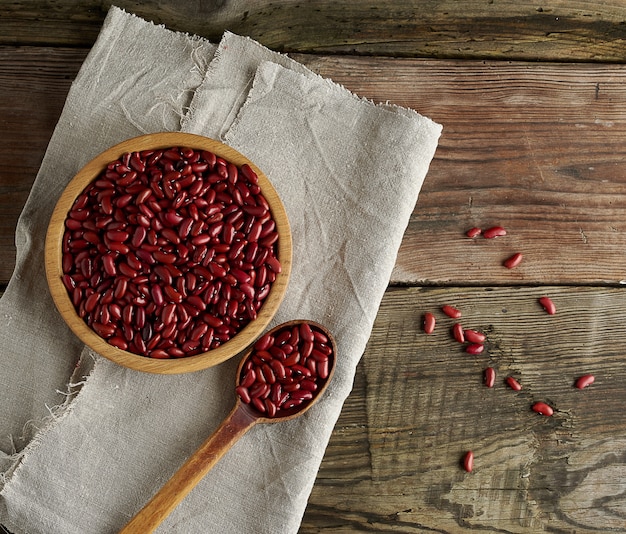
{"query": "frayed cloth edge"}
(57, 413)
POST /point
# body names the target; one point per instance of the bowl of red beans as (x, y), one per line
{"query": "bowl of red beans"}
(168, 253)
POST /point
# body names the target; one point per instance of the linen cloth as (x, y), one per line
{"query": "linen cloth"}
(85, 443)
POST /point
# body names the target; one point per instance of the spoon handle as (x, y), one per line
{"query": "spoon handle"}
(236, 424)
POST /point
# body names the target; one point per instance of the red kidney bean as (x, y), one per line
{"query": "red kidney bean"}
(429, 323)
(543, 409)
(160, 354)
(119, 342)
(473, 232)
(68, 282)
(171, 294)
(451, 311)
(494, 231)
(468, 461)
(513, 261)
(104, 330)
(259, 404)
(243, 393)
(108, 263)
(264, 342)
(458, 333)
(293, 358)
(279, 369)
(474, 348)
(283, 382)
(273, 263)
(548, 305)
(323, 369)
(306, 333)
(584, 381)
(91, 301)
(248, 379)
(474, 336)
(513, 383)
(490, 377)
(117, 235)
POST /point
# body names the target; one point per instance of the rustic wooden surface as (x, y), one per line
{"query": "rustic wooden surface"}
(533, 102)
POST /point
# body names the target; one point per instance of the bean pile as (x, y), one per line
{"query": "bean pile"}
(285, 369)
(169, 253)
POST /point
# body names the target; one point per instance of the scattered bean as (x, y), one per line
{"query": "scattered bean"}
(548, 305)
(490, 377)
(451, 311)
(584, 381)
(474, 336)
(457, 332)
(513, 261)
(543, 409)
(429, 323)
(494, 231)
(468, 461)
(473, 232)
(513, 383)
(474, 348)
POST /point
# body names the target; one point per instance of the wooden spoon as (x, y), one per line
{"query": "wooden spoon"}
(242, 417)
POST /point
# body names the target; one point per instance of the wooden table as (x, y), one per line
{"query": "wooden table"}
(532, 97)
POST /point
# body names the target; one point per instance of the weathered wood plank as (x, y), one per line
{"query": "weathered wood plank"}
(418, 404)
(552, 30)
(34, 83)
(538, 148)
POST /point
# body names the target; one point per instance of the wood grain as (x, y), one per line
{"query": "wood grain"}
(479, 29)
(535, 147)
(393, 463)
(236, 424)
(34, 83)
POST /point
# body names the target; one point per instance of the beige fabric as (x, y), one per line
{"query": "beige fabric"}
(349, 173)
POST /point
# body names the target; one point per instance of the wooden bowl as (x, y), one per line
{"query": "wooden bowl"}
(54, 255)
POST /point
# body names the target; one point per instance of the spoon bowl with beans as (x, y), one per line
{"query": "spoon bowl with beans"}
(283, 375)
